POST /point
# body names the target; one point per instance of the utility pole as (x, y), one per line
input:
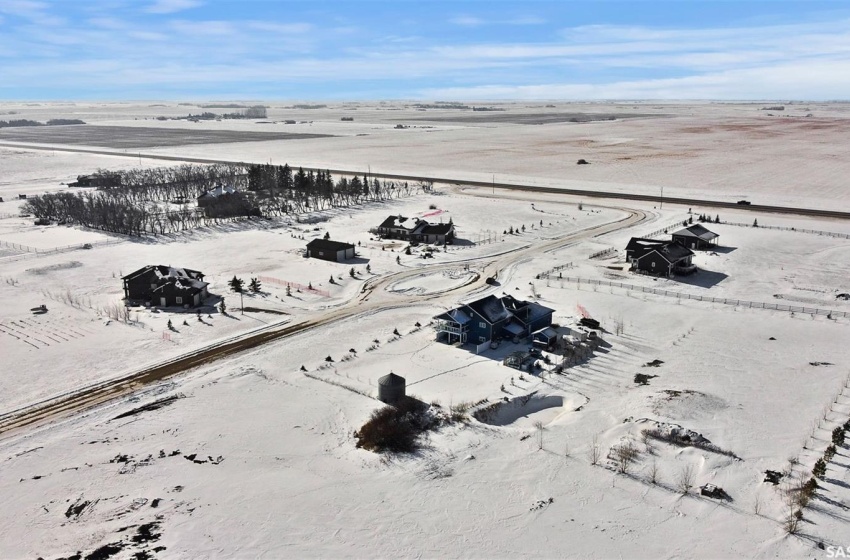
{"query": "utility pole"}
(660, 206)
(242, 302)
(494, 183)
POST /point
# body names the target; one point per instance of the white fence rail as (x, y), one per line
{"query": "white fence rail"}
(725, 301)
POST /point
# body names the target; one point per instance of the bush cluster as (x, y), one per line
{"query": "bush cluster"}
(396, 429)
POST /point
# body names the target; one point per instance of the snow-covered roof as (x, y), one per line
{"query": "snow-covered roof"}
(162, 271)
(218, 191)
(546, 332)
(454, 315)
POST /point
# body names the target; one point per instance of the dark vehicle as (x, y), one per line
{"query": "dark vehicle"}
(588, 322)
(744, 202)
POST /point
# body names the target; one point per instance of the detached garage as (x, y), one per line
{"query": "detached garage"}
(328, 250)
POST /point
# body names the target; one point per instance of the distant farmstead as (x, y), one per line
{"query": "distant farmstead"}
(104, 180)
(416, 230)
(329, 250)
(165, 286)
(212, 196)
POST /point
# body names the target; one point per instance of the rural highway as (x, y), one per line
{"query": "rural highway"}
(690, 202)
(374, 297)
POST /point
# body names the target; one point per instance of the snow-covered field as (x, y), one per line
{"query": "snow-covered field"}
(254, 456)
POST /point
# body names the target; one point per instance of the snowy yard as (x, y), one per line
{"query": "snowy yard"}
(255, 454)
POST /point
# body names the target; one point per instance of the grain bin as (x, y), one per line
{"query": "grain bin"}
(391, 388)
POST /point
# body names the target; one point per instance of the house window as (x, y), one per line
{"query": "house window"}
(653, 264)
(179, 300)
(482, 325)
(482, 339)
(153, 286)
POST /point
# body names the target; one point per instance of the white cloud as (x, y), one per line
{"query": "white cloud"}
(805, 81)
(172, 6)
(472, 21)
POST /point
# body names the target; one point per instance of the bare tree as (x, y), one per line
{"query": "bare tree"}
(685, 480)
(793, 516)
(625, 455)
(757, 504)
(594, 451)
(539, 427)
(652, 472)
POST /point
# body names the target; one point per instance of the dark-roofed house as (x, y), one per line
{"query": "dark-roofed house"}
(394, 227)
(433, 233)
(165, 286)
(695, 237)
(492, 318)
(329, 250)
(416, 230)
(669, 259)
(214, 195)
(639, 246)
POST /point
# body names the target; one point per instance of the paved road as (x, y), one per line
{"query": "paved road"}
(690, 202)
(374, 297)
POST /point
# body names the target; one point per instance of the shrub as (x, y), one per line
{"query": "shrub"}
(395, 429)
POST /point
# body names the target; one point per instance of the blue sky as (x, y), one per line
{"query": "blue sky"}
(404, 49)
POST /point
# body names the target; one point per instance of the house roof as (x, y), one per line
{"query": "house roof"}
(329, 245)
(525, 311)
(162, 271)
(546, 332)
(670, 252)
(394, 222)
(697, 231)
(644, 244)
(491, 308)
(437, 229)
(183, 284)
(454, 315)
(218, 191)
(514, 328)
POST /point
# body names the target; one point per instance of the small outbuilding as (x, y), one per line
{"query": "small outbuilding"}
(695, 237)
(329, 250)
(391, 388)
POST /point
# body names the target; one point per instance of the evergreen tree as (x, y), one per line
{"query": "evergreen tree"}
(838, 436)
(327, 235)
(255, 285)
(222, 307)
(820, 469)
(351, 272)
(717, 219)
(368, 269)
(755, 223)
(237, 285)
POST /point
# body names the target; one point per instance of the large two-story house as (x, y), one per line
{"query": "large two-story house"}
(492, 318)
(165, 286)
(416, 230)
